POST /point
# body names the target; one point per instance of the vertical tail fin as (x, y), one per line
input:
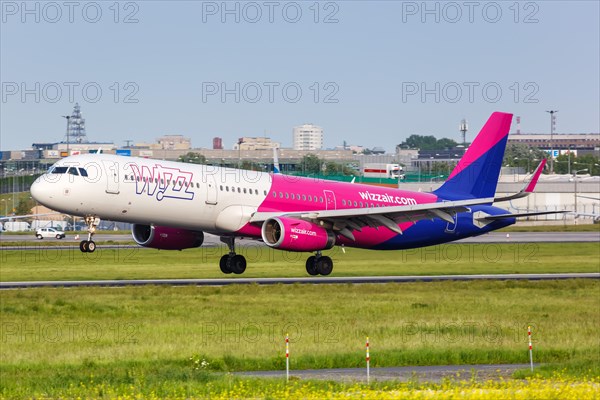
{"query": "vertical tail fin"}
(476, 174)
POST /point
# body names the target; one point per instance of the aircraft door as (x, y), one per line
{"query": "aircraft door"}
(329, 200)
(111, 169)
(211, 189)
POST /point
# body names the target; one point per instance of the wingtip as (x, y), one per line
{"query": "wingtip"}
(536, 176)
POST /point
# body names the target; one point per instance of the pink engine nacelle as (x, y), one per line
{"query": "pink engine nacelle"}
(166, 238)
(296, 235)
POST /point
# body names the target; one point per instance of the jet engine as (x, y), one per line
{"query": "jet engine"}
(296, 235)
(166, 238)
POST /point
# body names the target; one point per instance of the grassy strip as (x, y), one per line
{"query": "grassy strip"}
(553, 228)
(43, 263)
(149, 342)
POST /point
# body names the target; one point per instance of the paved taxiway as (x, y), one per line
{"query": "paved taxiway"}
(492, 237)
(302, 280)
(403, 374)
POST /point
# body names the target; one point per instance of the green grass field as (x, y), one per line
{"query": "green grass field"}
(89, 341)
(42, 263)
(142, 342)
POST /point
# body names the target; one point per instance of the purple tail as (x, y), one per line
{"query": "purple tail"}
(476, 174)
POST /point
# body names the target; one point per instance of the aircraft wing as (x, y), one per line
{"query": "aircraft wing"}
(346, 220)
(28, 216)
(529, 185)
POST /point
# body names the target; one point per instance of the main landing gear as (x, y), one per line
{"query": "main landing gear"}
(319, 265)
(232, 262)
(89, 246)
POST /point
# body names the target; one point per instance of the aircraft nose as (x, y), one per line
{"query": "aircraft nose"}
(36, 190)
(40, 190)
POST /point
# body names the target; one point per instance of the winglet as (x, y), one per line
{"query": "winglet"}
(535, 177)
(529, 185)
(276, 169)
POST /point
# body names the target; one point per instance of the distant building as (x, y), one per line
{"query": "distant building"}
(256, 143)
(217, 143)
(308, 137)
(168, 142)
(558, 140)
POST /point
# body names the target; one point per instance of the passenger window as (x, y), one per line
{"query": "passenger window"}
(197, 185)
(274, 194)
(309, 197)
(244, 190)
(343, 202)
(303, 197)
(227, 188)
(221, 187)
(355, 204)
(281, 195)
(321, 199)
(239, 190)
(360, 204)
(293, 196)
(287, 195)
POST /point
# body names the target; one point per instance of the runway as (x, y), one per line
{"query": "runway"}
(212, 240)
(403, 374)
(303, 280)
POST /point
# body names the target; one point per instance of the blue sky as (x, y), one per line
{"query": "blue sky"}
(370, 73)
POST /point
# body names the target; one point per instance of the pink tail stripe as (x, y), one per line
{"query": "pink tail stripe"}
(536, 176)
(494, 130)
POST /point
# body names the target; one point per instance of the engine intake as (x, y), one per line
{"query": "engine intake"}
(296, 235)
(166, 238)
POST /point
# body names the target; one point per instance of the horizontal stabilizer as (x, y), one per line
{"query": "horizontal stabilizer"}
(517, 215)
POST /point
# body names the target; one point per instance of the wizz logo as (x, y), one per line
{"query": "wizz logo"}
(163, 182)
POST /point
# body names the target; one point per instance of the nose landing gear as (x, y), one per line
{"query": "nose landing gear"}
(89, 246)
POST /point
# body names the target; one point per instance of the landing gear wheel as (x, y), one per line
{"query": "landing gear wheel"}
(223, 264)
(324, 265)
(88, 246)
(231, 262)
(311, 265)
(237, 264)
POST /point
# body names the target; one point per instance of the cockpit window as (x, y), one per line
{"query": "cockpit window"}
(73, 171)
(83, 172)
(59, 170)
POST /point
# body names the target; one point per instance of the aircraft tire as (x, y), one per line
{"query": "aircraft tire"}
(311, 266)
(83, 246)
(91, 246)
(223, 264)
(324, 265)
(237, 264)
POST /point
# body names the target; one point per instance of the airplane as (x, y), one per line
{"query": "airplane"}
(171, 204)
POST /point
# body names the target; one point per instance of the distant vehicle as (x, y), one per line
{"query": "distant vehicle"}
(48, 233)
(382, 170)
(16, 226)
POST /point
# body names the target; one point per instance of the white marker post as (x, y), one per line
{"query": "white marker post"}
(287, 357)
(368, 362)
(530, 348)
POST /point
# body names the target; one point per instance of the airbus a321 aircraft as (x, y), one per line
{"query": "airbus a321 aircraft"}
(171, 204)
